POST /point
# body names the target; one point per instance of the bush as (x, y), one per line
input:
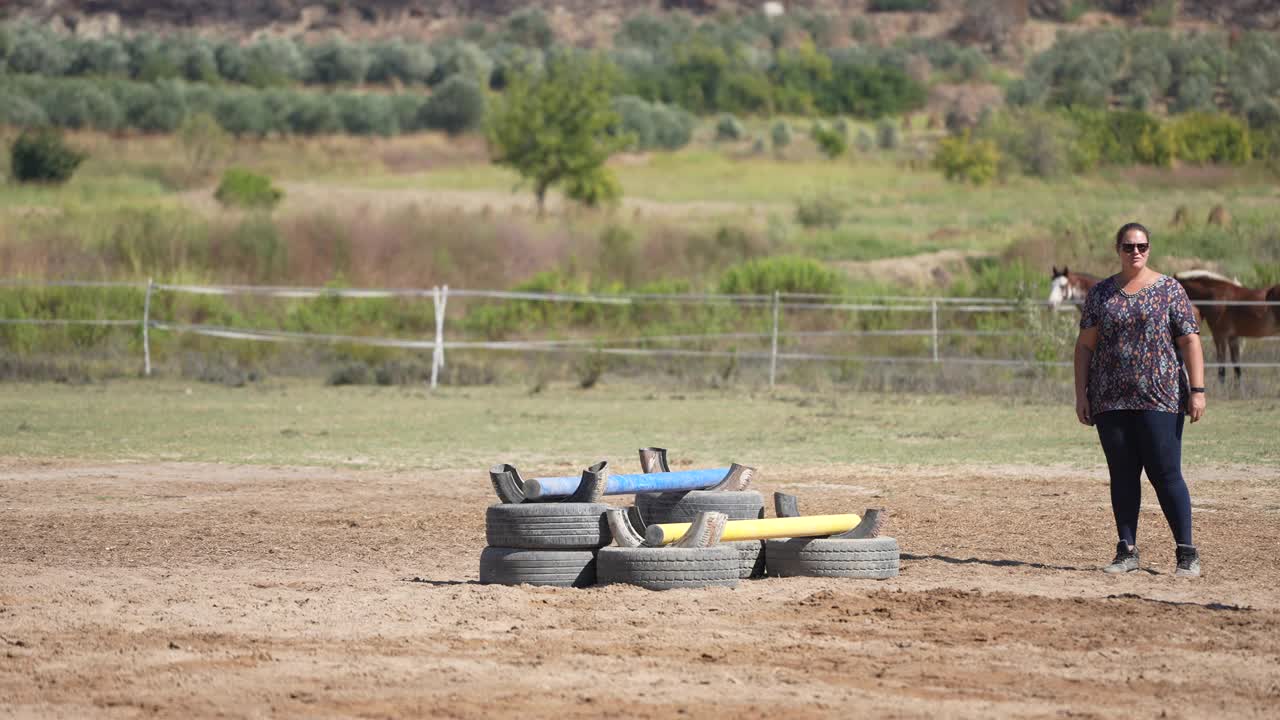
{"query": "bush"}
(870, 91)
(589, 368)
(399, 60)
(370, 114)
(729, 128)
(864, 142)
(204, 143)
(887, 136)
(80, 104)
(821, 210)
(232, 62)
(832, 143)
(1027, 92)
(465, 59)
(153, 58)
(963, 159)
(1202, 138)
(38, 52)
(1114, 138)
(1195, 94)
(156, 108)
(1041, 143)
(278, 61)
(243, 113)
(337, 61)
(780, 135)
(529, 27)
(649, 32)
(902, 6)
(20, 111)
(314, 114)
(511, 60)
(1163, 14)
(105, 56)
(971, 65)
(356, 373)
(636, 119)
(672, 126)
(456, 106)
(407, 108)
(246, 189)
(200, 63)
(786, 274)
(42, 156)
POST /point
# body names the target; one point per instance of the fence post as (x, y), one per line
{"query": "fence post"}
(933, 306)
(773, 352)
(440, 299)
(146, 330)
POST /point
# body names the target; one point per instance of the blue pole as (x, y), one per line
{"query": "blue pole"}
(680, 481)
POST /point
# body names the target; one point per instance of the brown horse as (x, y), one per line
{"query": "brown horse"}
(1228, 323)
(1069, 287)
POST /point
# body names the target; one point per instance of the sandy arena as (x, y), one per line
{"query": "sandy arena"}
(188, 589)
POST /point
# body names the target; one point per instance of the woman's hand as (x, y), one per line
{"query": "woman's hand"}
(1195, 406)
(1082, 411)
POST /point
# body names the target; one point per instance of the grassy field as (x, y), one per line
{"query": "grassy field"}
(894, 204)
(421, 210)
(563, 429)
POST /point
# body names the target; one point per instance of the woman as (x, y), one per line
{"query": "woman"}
(1137, 329)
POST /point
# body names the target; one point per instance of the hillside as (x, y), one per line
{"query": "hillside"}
(584, 21)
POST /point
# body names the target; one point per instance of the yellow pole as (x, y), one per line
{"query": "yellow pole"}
(805, 526)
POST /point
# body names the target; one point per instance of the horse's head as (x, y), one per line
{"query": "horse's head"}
(1060, 289)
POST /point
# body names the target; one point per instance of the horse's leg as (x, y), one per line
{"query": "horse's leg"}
(1220, 352)
(1236, 343)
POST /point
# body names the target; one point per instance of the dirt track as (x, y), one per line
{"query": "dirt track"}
(185, 589)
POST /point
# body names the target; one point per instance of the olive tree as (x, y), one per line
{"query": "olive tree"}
(558, 127)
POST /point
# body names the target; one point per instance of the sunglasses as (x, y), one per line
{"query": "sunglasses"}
(1140, 248)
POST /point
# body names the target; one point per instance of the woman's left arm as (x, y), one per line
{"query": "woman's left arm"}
(1193, 356)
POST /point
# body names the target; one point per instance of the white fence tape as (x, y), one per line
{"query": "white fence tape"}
(101, 323)
(612, 346)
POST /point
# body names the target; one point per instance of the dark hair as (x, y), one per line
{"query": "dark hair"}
(1129, 227)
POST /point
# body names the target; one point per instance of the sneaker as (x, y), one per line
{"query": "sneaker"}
(1126, 559)
(1188, 561)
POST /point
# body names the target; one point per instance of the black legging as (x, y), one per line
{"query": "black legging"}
(1138, 439)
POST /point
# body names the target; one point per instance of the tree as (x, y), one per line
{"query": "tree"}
(204, 143)
(455, 107)
(41, 156)
(559, 126)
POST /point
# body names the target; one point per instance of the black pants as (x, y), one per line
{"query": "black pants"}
(1134, 440)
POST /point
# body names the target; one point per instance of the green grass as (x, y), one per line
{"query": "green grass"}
(468, 429)
(899, 207)
(85, 191)
(892, 209)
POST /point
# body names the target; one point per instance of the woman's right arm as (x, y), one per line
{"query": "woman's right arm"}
(1086, 343)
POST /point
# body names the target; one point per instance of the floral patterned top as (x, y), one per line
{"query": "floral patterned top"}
(1136, 365)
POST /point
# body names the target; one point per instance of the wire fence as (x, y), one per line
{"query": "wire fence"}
(936, 309)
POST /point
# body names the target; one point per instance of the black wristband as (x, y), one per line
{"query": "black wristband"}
(1196, 389)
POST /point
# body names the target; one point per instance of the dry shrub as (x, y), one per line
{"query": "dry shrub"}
(415, 247)
(681, 252)
(54, 254)
(994, 24)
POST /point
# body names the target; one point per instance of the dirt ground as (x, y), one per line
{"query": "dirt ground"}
(208, 590)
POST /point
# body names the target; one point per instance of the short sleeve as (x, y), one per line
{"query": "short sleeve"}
(1089, 311)
(1182, 316)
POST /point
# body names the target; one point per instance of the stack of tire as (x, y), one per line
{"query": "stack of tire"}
(874, 558)
(672, 567)
(564, 545)
(543, 543)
